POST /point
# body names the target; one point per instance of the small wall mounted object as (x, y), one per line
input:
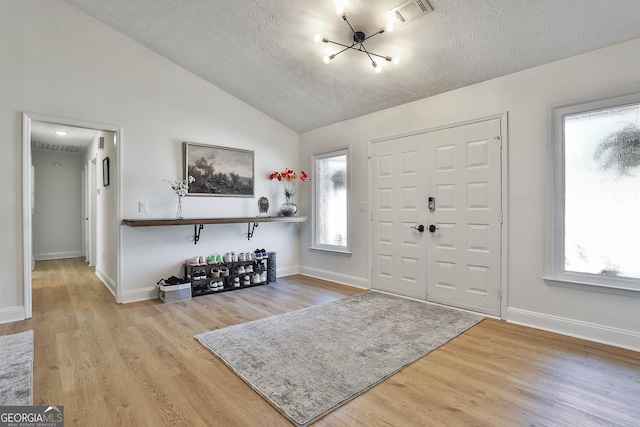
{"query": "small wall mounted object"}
(105, 172)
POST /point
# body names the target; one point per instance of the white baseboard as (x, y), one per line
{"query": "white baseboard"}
(575, 328)
(140, 294)
(332, 276)
(107, 281)
(57, 255)
(286, 271)
(11, 314)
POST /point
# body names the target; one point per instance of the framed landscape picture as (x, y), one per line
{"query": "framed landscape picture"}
(219, 171)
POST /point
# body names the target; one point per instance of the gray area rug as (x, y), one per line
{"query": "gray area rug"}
(309, 362)
(16, 369)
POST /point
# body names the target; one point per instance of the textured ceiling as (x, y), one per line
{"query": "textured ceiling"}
(262, 51)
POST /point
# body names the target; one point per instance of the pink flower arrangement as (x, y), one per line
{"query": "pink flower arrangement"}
(290, 180)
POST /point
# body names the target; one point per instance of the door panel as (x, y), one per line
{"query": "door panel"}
(464, 253)
(398, 205)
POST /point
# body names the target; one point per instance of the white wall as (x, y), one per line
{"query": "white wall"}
(57, 219)
(57, 61)
(527, 97)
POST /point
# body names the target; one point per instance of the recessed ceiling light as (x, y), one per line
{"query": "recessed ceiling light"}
(61, 133)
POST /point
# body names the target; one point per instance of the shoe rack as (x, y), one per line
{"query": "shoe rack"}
(204, 278)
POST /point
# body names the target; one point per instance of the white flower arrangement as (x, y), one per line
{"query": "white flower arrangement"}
(181, 187)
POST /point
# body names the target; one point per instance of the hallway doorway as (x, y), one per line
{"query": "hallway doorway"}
(69, 211)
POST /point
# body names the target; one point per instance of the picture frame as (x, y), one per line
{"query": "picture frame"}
(219, 171)
(105, 172)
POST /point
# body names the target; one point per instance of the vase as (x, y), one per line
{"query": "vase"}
(179, 209)
(288, 208)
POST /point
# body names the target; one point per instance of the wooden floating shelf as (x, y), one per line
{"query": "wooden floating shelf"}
(199, 223)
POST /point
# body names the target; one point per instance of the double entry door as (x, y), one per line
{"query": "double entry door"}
(437, 216)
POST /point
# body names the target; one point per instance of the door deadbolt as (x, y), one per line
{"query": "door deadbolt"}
(432, 203)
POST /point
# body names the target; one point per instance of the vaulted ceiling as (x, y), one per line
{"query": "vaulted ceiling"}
(263, 51)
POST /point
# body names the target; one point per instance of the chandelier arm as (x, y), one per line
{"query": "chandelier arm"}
(374, 34)
(344, 16)
(346, 48)
(343, 45)
(379, 56)
(364, 49)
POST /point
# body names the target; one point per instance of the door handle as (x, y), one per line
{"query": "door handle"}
(420, 228)
(433, 228)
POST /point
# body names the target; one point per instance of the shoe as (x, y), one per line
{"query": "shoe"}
(248, 269)
(258, 254)
(202, 274)
(234, 257)
(215, 272)
(211, 259)
(193, 261)
(224, 271)
(227, 257)
(263, 276)
(240, 270)
(246, 281)
(236, 282)
(255, 279)
(264, 254)
(242, 257)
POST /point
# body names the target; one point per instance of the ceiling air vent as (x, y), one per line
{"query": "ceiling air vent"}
(411, 10)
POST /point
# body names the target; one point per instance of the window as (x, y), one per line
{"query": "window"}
(331, 201)
(595, 214)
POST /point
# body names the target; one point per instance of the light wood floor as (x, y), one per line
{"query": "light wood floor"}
(138, 365)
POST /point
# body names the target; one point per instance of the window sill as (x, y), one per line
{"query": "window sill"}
(332, 250)
(585, 285)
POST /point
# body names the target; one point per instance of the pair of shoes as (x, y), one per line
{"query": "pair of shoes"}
(216, 285)
(260, 254)
(248, 269)
(199, 274)
(193, 261)
(214, 259)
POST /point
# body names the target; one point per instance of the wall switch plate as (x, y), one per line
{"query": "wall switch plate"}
(363, 206)
(143, 207)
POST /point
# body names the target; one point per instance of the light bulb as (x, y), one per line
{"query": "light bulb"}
(396, 60)
(317, 38)
(328, 58)
(340, 9)
(61, 133)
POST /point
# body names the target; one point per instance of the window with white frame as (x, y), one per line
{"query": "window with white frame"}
(595, 209)
(330, 217)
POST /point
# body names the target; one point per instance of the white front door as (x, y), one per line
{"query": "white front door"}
(464, 251)
(398, 207)
(459, 262)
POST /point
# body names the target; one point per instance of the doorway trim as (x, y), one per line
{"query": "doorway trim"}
(504, 258)
(27, 226)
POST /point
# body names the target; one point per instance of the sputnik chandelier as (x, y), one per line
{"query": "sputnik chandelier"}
(359, 38)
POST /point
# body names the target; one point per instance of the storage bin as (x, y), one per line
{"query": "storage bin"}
(173, 293)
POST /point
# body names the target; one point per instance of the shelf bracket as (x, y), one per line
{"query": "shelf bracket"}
(197, 228)
(250, 229)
